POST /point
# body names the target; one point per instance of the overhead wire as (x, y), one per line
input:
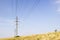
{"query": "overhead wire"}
(16, 8)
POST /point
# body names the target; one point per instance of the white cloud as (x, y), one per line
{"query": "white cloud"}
(58, 10)
(58, 1)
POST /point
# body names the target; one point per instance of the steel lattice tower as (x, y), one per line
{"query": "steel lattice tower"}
(16, 30)
(16, 25)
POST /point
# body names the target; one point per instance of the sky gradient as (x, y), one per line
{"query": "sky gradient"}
(35, 16)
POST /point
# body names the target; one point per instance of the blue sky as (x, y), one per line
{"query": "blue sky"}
(35, 16)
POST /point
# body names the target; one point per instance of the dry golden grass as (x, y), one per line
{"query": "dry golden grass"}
(47, 36)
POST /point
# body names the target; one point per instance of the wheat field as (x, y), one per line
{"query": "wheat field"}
(47, 36)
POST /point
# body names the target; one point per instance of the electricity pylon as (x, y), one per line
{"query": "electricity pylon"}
(17, 26)
(16, 30)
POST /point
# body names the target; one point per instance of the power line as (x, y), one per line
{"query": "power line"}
(16, 7)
